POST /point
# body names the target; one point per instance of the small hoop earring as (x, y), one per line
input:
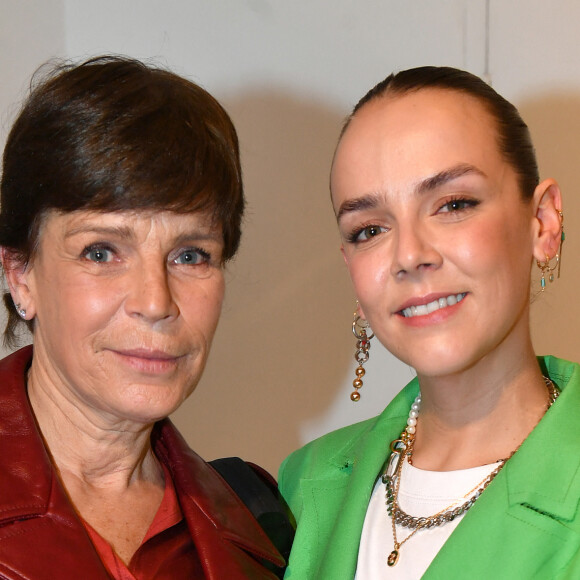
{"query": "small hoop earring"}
(545, 265)
(548, 270)
(361, 355)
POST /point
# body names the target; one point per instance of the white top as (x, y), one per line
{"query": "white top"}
(421, 494)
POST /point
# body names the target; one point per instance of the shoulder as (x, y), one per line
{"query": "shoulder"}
(330, 454)
(563, 372)
(314, 459)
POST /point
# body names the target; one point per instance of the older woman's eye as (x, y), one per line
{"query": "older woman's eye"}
(98, 254)
(192, 256)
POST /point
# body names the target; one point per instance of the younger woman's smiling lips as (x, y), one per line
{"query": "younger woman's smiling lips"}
(430, 309)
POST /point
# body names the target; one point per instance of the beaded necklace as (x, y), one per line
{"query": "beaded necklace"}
(401, 450)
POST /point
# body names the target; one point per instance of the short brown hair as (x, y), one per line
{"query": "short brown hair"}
(113, 134)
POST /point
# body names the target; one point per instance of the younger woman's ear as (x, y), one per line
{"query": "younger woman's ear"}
(548, 204)
(15, 271)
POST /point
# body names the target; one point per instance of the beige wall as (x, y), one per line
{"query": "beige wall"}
(288, 72)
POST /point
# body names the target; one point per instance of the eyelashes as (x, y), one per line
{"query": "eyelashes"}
(365, 233)
(98, 253)
(192, 256)
(103, 253)
(458, 204)
(449, 209)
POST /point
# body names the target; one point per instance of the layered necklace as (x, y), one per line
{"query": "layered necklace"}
(401, 450)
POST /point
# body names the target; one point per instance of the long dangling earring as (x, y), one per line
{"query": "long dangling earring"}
(361, 355)
(544, 266)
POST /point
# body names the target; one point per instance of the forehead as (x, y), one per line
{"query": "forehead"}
(401, 138)
(130, 224)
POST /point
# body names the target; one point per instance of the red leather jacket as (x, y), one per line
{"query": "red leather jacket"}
(42, 538)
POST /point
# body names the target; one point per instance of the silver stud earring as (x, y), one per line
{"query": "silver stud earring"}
(21, 311)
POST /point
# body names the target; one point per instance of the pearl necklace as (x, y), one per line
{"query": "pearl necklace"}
(402, 449)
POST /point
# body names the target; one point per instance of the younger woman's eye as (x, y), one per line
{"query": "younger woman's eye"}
(192, 256)
(458, 204)
(366, 233)
(98, 254)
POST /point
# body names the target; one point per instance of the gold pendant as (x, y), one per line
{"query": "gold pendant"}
(393, 558)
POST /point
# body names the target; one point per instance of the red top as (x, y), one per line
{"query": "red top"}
(167, 550)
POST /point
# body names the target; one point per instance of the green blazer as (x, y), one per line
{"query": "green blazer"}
(524, 526)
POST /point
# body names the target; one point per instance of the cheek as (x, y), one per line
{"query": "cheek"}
(480, 250)
(201, 306)
(369, 273)
(92, 300)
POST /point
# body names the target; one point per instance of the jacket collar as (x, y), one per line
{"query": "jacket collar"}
(26, 474)
(223, 530)
(210, 507)
(362, 458)
(372, 446)
(351, 475)
(556, 436)
(532, 501)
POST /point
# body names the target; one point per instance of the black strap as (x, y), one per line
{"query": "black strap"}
(262, 498)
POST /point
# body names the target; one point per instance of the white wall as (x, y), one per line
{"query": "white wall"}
(30, 33)
(288, 72)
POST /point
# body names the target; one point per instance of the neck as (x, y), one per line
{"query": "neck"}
(480, 415)
(87, 448)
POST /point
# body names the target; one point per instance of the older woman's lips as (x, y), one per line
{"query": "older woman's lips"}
(148, 361)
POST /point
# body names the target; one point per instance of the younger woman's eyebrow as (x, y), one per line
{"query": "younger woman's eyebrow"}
(371, 200)
(445, 176)
(364, 202)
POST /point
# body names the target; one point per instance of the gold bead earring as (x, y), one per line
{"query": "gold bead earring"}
(361, 355)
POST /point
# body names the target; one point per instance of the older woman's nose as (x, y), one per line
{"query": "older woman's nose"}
(413, 251)
(150, 295)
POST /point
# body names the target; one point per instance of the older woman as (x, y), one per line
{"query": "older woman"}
(473, 470)
(121, 203)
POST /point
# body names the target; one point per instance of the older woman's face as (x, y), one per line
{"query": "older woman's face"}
(436, 236)
(125, 306)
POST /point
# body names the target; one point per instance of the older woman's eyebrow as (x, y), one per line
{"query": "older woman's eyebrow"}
(200, 234)
(213, 235)
(117, 231)
(445, 176)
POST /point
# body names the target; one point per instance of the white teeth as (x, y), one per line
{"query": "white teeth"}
(420, 310)
(424, 309)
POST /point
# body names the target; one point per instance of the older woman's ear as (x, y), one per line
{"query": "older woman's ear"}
(549, 218)
(16, 272)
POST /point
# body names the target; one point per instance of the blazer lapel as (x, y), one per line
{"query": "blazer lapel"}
(337, 504)
(525, 525)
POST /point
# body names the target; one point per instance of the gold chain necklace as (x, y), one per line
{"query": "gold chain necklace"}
(402, 449)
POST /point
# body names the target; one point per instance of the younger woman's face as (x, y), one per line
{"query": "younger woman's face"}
(435, 233)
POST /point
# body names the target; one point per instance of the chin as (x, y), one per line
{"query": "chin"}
(149, 409)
